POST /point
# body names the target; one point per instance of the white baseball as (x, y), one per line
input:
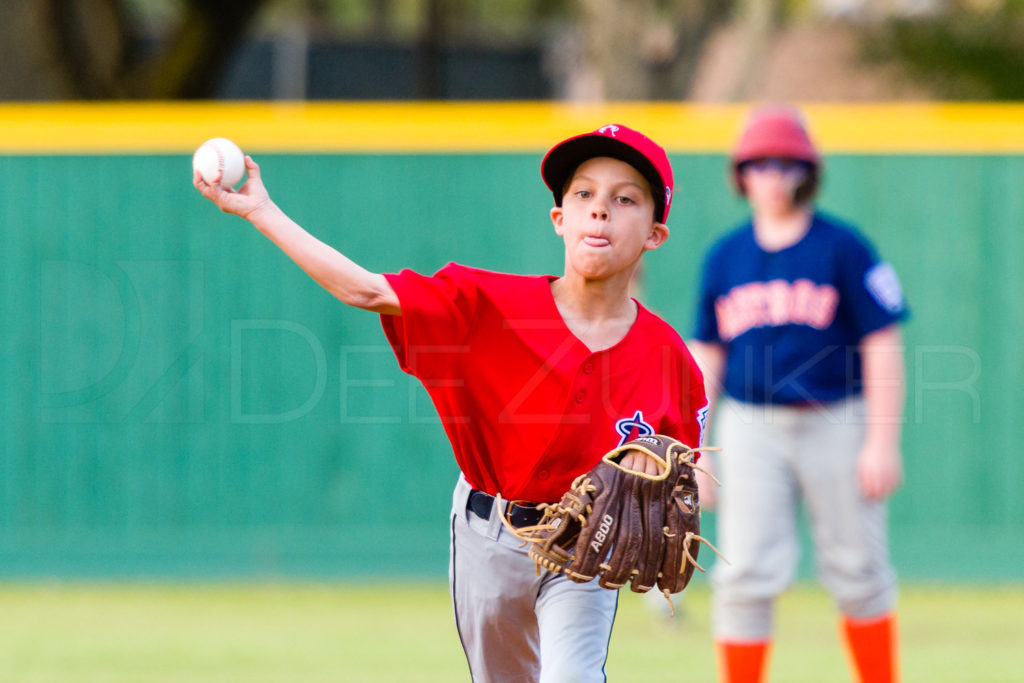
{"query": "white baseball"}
(216, 155)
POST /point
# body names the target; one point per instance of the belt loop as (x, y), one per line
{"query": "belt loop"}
(494, 525)
(460, 498)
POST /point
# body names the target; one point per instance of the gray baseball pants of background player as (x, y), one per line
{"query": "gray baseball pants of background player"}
(772, 456)
(512, 620)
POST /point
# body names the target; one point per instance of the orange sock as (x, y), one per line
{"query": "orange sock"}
(873, 648)
(742, 662)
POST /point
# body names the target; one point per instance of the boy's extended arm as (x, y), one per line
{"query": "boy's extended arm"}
(335, 272)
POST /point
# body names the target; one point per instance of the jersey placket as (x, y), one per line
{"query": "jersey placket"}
(578, 415)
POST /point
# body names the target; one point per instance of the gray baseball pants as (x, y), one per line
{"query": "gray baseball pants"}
(773, 457)
(517, 626)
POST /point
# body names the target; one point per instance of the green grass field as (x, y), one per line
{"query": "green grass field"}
(259, 633)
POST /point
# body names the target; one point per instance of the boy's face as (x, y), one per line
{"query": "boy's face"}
(607, 219)
(771, 183)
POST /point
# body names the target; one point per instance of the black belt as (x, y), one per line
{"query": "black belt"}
(480, 504)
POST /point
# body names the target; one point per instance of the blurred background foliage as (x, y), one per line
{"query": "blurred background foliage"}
(974, 51)
(587, 50)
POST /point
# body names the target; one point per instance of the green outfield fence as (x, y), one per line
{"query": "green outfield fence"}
(179, 400)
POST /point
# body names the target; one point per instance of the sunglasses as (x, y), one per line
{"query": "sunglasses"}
(779, 164)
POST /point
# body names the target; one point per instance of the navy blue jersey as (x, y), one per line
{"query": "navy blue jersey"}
(791, 320)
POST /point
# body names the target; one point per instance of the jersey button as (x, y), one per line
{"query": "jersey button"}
(543, 474)
(581, 395)
(588, 368)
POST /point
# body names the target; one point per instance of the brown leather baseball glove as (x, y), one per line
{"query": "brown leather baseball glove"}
(626, 526)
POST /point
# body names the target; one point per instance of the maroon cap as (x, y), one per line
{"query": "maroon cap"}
(618, 142)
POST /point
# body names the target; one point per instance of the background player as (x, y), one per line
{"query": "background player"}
(798, 319)
(534, 378)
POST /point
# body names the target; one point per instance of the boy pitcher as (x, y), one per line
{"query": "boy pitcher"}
(535, 378)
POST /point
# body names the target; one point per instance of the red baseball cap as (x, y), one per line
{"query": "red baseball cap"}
(618, 142)
(775, 131)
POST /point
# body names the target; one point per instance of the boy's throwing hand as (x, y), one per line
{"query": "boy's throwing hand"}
(242, 202)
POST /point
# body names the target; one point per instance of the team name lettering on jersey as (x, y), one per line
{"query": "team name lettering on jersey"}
(775, 303)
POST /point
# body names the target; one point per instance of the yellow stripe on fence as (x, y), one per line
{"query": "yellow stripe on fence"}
(461, 127)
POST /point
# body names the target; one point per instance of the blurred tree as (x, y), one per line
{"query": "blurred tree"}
(94, 48)
(593, 49)
(634, 49)
(758, 20)
(975, 50)
(694, 23)
(430, 49)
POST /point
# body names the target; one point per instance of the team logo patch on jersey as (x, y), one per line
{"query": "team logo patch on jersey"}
(702, 420)
(884, 285)
(633, 427)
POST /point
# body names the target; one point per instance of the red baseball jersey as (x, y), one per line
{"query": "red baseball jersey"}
(526, 405)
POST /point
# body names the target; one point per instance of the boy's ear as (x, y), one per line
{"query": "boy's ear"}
(657, 237)
(556, 219)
